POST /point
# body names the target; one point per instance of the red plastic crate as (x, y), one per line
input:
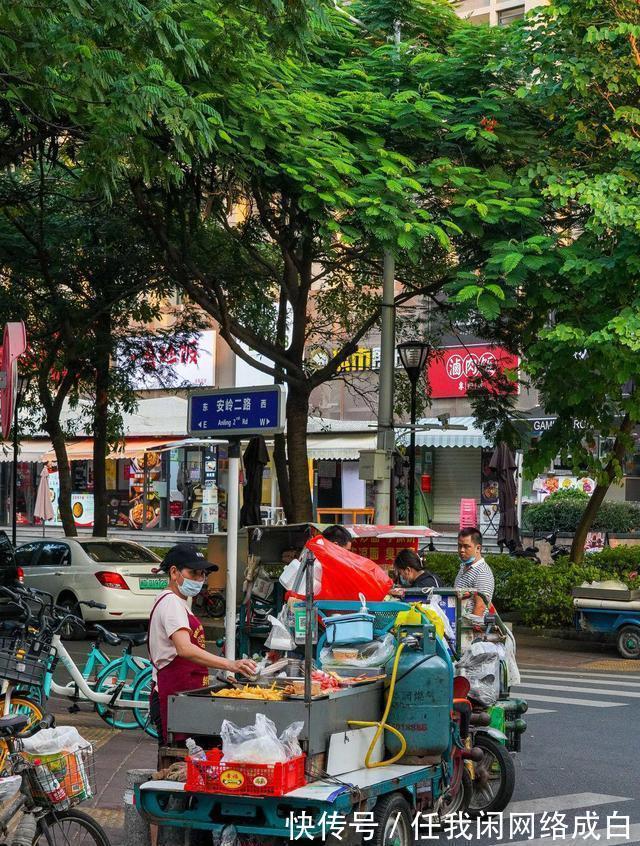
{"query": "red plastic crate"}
(212, 776)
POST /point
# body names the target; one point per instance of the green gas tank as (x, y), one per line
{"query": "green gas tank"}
(423, 694)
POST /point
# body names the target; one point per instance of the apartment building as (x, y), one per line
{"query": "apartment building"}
(495, 12)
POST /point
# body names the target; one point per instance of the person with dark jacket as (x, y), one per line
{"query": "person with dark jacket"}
(411, 573)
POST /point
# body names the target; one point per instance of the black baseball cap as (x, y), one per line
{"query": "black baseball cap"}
(184, 555)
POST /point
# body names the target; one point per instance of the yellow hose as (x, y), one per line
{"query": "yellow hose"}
(382, 725)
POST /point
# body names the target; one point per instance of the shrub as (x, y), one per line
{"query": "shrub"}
(562, 512)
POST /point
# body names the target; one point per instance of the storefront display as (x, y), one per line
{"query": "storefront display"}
(81, 504)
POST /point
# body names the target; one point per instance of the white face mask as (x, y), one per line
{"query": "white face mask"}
(190, 587)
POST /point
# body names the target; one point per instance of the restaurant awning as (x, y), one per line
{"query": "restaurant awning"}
(470, 436)
(345, 446)
(83, 450)
(28, 450)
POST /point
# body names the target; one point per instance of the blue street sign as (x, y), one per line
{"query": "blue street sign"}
(233, 412)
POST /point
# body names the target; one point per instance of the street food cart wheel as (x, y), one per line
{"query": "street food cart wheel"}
(458, 802)
(629, 642)
(494, 777)
(392, 816)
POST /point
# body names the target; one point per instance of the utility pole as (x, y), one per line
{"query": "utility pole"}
(385, 389)
(386, 440)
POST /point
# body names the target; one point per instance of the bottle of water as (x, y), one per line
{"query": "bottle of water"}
(195, 752)
(51, 787)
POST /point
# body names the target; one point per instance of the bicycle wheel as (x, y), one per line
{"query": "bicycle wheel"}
(141, 691)
(69, 828)
(107, 681)
(20, 705)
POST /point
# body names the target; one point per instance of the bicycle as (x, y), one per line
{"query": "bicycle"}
(110, 696)
(45, 817)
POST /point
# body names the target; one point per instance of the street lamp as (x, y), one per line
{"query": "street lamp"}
(413, 355)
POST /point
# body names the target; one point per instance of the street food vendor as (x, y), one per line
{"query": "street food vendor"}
(474, 572)
(176, 636)
(411, 574)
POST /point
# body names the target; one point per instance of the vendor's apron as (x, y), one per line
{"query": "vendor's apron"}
(181, 673)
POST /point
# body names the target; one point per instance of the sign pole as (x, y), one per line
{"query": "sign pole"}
(233, 523)
(14, 480)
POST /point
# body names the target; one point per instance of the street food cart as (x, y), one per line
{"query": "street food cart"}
(389, 743)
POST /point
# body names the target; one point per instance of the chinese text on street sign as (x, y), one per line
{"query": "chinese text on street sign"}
(237, 411)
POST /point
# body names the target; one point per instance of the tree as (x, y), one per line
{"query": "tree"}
(362, 145)
(81, 273)
(571, 289)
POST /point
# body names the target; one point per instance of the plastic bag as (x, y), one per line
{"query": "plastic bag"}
(292, 579)
(346, 575)
(434, 605)
(259, 743)
(289, 739)
(279, 637)
(256, 744)
(9, 787)
(374, 654)
(55, 740)
(513, 673)
(480, 664)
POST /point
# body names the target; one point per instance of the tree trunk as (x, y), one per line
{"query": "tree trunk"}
(54, 430)
(597, 497)
(100, 426)
(297, 419)
(282, 474)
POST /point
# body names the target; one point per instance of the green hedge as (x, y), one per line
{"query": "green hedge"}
(563, 510)
(541, 594)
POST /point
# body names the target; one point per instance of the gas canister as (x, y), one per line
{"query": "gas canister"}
(423, 695)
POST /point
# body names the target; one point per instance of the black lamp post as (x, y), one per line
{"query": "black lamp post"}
(413, 355)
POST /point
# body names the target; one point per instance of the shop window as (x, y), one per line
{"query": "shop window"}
(508, 16)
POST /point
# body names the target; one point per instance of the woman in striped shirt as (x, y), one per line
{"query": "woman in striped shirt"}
(474, 572)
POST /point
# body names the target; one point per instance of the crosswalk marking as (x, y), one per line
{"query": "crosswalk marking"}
(569, 802)
(531, 712)
(592, 691)
(562, 700)
(634, 835)
(576, 673)
(551, 677)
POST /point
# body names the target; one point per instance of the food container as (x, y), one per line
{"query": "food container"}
(344, 654)
(349, 628)
(211, 775)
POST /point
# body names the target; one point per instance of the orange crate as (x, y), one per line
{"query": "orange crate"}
(212, 776)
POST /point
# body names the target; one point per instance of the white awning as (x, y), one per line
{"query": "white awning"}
(470, 436)
(28, 450)
(343, 446)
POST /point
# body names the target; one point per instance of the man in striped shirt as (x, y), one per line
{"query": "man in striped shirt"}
(474, 571)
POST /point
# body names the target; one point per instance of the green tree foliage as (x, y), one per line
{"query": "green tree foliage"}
(570, 283)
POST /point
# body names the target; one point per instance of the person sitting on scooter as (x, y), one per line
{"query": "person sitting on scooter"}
(411, 574)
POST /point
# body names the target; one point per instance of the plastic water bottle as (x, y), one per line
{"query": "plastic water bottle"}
(196, 753)
(51, 787)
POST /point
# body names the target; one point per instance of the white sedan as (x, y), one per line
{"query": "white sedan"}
(120, 574)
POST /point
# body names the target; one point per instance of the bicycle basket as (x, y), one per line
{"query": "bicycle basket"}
(62, 779)
(25, 661)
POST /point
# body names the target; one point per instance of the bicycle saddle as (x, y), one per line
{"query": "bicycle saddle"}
(12, 725)
(134, 638)
(106, 635)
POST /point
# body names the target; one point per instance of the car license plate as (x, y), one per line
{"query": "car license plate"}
(153, 584)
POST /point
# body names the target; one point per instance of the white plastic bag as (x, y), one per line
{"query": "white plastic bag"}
(279, 637)
(434, 604)
(9, 787)
(373, 654)
(260, 744)
(292, 578)
(480, 664)
(513, 673)
(55, 740)
(256, 744)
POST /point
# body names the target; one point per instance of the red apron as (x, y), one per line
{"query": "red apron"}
(181, 673)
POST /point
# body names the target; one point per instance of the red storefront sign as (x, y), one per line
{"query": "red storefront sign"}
(451, 371)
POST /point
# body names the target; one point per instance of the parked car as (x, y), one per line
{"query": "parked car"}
(121, 574)
(10, 576)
